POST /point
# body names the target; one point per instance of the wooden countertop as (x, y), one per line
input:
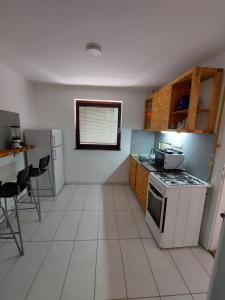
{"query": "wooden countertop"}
(8, 152)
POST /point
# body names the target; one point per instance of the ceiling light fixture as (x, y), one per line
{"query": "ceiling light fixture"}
(94, 50)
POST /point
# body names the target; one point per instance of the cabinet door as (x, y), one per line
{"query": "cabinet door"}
(161, 109)
(148, 113)
(132, 173)
(141, 188)
(144, 195)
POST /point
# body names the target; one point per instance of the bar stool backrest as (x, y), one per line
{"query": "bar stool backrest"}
(43, 162)
(24, 176)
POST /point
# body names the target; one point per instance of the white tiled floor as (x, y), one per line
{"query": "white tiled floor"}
(93, 244)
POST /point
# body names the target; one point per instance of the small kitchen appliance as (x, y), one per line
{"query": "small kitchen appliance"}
(16, 141)
(169, 158)
(175, 207)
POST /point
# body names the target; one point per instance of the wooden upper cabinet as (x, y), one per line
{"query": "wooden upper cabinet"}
(161, 109)
(148, 114)
(201, 88)
(188, 104)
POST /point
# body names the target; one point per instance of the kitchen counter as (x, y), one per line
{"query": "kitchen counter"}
(146, 165)
(11, 151)
(151, 166)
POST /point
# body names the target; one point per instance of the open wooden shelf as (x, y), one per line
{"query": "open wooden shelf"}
(185, 111)
(8, 152)
(165, 103)
(203, 110)
(206, 73)
(184, 130)
(148, 111)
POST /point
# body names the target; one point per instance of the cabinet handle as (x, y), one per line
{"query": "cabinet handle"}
(54, 154)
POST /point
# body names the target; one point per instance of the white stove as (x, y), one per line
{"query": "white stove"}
(178, 179)
(175, 206)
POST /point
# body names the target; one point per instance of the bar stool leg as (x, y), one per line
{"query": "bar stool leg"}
(12, 232)
(37, 204)
(37, 187)
(29, 191)
(18, 224)
(6, 209)
(53, 194)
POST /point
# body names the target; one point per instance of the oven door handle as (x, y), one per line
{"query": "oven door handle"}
(156, 196)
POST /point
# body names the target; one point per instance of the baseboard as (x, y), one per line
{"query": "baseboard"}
(96, 182)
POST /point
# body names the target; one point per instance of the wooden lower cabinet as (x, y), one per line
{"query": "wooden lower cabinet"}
(138, 180)
(132, 173)
(141, 186)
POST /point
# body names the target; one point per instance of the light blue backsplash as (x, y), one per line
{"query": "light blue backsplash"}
(142, 141)
(197, 149)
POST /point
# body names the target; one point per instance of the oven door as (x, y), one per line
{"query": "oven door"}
(157, 206)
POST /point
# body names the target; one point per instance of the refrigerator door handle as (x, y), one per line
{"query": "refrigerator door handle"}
(53, 140)
(54, 154)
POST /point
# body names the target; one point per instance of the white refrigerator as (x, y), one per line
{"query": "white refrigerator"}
(46, 141)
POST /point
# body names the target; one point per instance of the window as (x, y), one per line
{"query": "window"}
(98, 125)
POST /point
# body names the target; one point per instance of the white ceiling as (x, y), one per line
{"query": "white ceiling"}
(144, 42)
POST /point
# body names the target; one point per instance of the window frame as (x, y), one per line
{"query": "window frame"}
(98, 103)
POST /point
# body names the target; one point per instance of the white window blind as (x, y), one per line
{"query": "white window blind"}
(98, 125)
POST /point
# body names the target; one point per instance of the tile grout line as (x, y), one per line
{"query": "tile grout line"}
(46, 214)
(15, 262)
(74, 241)
(50, 243)
(200, 293)
(114, 211)
(179, 272)
(42, 261)
(121, 256)
(145, 254)
(96, 257)
(149, 261)
(200, 262)
(64, 210)
(26, 243)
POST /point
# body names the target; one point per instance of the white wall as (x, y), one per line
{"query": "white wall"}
(55, 109)
(209, 233)
(16, 95)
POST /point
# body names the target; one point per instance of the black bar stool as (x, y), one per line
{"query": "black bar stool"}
(36, 172)
(13, 190)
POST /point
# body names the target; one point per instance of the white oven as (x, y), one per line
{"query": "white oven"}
(156, 206)
(174, 212)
